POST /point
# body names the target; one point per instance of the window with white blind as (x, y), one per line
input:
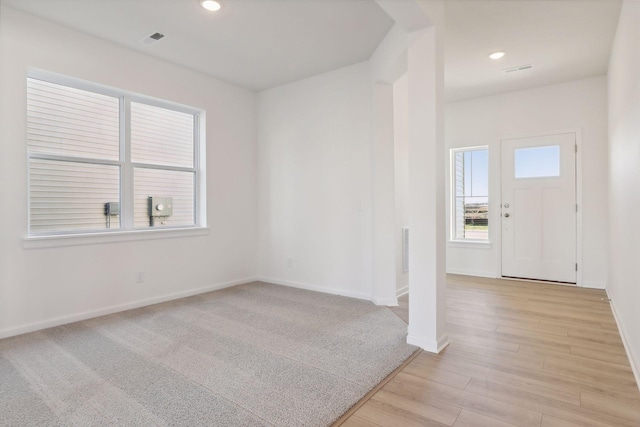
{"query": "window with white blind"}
(103, 160)
(470, 194)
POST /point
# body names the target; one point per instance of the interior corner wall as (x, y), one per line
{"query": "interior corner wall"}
(624, 178)
(578, 105)
(315, 190)
(41, 287)
(401, 169)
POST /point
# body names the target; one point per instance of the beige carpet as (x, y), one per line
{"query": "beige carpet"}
(251, 355)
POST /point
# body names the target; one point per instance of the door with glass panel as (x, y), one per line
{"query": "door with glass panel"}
(538, 211)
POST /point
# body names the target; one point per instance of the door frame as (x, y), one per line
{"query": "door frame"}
(578, 135)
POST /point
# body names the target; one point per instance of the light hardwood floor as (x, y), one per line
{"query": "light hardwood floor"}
(521, 354)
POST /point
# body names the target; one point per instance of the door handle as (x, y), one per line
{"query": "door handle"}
(507, 215)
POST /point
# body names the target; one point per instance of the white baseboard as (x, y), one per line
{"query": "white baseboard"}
(334, 291)
(63, 320)
(389, 302)
(402, 291)
(477, 273)
(432, 346)
(634, 361)
(593, 285)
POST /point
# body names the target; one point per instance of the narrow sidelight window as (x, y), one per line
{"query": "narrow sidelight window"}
(470, 193)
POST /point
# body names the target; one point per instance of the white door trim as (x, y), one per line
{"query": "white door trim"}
(578, 134)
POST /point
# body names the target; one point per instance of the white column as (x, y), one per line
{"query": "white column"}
(426, 190)
(383, 203)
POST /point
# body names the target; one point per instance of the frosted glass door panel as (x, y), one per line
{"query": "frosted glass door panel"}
(537, 162)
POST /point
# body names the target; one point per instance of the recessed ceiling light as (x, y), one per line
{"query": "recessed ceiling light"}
(211, 5)
(497, 55)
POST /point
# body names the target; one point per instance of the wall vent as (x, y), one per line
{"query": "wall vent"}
(152, 39)
(518, 68)
(405, 250)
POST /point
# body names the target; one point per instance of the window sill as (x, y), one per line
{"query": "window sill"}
(469, 244)
(35, 242)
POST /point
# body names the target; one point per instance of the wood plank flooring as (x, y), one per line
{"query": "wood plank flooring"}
(521, 354)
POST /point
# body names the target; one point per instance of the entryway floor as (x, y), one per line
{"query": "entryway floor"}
(521, 354)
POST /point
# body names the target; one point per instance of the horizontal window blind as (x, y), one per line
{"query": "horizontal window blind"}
(70, 195)
(164, 183)
(160, 136)
(459, 192)
(65, 121)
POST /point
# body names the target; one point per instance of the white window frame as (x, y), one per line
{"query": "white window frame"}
(126, 230)
(453, 239)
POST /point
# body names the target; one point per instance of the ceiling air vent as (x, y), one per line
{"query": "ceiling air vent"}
(153, 38)
(517, 69)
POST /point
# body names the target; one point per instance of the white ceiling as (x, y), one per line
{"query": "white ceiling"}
(260, 44)
(256, 44)
(563, 39)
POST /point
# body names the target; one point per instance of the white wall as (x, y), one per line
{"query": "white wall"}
(401, 169)
(390, 173)
(624, 178)
(484, 121)
(314, 174)
(383, 289)
(41, 286)
(389, 61)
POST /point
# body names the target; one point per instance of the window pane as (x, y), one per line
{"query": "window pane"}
(160, 136)
(471, 204)
(479, 173)
(163, 183)
(537, 162)
(459, 174)
(476, 218)
(467, 173)
(459, 218)
(67, 196)
(71, 122)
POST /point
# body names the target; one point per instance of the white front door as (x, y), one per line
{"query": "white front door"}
(539, 208)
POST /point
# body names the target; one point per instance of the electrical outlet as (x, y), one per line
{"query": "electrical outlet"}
(289, 262)
(140, 277)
